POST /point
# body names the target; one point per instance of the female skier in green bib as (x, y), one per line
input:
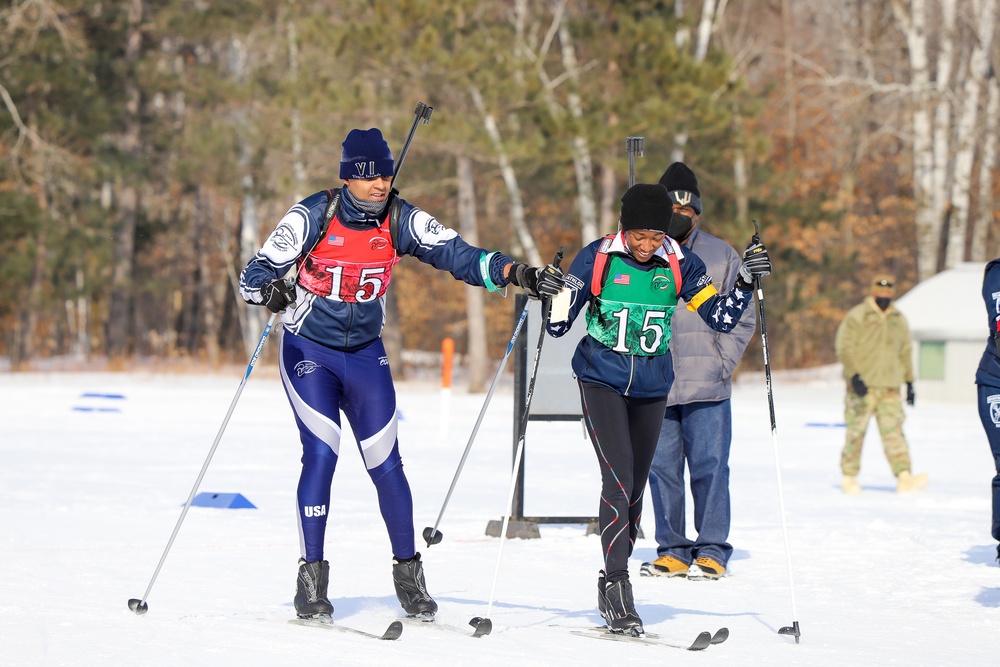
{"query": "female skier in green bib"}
(629, 283)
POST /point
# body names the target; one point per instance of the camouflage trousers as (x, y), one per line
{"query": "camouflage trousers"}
(887, 406)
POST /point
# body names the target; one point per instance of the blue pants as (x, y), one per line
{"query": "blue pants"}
(989, 414)
(320, 382)
(701, 434)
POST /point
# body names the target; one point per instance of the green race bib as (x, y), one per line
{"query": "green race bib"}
(632, 315)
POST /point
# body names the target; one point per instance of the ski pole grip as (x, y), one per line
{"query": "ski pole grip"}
(423, 112)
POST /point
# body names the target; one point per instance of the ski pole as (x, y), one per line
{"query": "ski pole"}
(139, 606)
(431, 535)
(421, 113)
(484, 625)
(793, 629)
(633, 146)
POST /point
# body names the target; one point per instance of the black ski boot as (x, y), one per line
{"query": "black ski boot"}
(620, 611)
(310, 591)
(602, 601)
(411, 590)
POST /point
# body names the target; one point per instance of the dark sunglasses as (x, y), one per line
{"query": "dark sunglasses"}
(884, 283)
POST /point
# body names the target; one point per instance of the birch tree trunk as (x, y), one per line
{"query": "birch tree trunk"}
(787, 29)
(985, 13)
(581, 150)
(741, 182)
(940, 190)
(579, 146)
(298, 164)
(987, 162)
(912, 21)
(475, 311)
(609, 200)
(251, 318)
(517, 219)
(81, 346)
(705, 25)
(683, 33)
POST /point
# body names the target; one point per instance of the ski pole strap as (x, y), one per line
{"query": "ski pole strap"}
(484, 271)
(333, 205)
(395, 206)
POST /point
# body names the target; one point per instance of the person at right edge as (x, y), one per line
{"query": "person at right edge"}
(873, 344)
(629, 284)
(698, 425)
(988, 383)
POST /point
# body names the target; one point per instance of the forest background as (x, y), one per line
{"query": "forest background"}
(147, 147)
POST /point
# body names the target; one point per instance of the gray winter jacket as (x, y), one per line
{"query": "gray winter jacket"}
(704, 360)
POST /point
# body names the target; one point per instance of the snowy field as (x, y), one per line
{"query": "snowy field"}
(92, 486)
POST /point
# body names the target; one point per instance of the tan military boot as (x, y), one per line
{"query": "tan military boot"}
(664, 566)
(850, 485)
(908, 483)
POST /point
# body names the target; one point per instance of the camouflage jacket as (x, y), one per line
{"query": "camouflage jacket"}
(875, 345)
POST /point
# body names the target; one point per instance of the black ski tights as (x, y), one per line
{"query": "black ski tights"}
(624, 432)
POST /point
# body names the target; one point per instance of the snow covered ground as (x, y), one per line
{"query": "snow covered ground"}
(92, 486)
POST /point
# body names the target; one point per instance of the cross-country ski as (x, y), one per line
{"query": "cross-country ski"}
(699, 643)
(392, 632)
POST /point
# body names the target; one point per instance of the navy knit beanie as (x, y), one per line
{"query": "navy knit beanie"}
(366, 155)
(646, 206)
(682, 185)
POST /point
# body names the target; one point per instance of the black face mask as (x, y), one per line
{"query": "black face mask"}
(883, 302)
(679, 227)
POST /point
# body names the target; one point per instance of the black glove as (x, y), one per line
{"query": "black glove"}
(550, 280)
(277, 296)
(858, 385)
(537, 282)
(756, 263)
(911, 396)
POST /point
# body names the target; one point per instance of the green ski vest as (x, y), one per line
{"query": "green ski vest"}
(633, 312)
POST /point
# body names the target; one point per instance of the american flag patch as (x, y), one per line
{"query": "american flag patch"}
(621, 279)
(335, 240)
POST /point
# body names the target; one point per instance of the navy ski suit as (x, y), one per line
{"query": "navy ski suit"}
(332, 357)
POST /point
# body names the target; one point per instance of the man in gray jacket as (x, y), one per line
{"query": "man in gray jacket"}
(697, 427)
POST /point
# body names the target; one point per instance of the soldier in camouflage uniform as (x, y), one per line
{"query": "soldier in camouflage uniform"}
(873, 343)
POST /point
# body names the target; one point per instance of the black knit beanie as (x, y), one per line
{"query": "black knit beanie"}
(682, 185)
(365, 155)
(646, 206)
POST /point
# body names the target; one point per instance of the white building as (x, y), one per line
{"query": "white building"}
(948, 321)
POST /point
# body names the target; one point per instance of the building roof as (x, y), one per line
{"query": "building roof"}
(948, 306)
